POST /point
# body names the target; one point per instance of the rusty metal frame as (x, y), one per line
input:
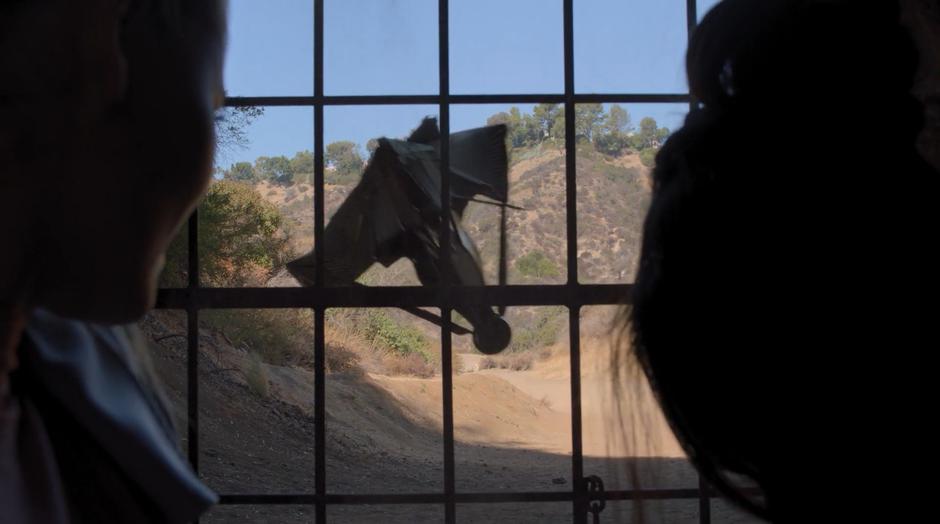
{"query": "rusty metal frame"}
(572, 294)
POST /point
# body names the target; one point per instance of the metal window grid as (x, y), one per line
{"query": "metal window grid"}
(573, 295)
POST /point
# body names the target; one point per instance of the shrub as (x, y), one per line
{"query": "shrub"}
(412, 364)
(536, 265)
(648, 157)
(612, 143)
(543, 332)
(340, 359)
(404, 340)
(282, 337)
(512, 361)
(240, 238)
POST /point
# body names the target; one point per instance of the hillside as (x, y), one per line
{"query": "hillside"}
(613, 192)
(383, 435)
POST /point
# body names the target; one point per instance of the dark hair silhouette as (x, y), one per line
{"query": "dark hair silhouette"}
(786, 232)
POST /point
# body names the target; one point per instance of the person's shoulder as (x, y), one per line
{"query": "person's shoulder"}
(91, 374)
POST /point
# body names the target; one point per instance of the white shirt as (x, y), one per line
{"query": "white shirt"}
(30, 487)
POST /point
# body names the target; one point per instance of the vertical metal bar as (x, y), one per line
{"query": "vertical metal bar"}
(319, 412)
(577, 459)
(443, 20)
(319, 350)
(192, 342)
(704, 502)
(571, 187)
(444, 121)
(447, 379)
(192, 374)
(577, 456)
(318, 160)
(691, 12)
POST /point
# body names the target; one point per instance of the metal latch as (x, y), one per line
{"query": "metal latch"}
(595, 489)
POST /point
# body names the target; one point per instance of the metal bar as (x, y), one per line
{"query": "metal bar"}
(319, 345)
(630, 98)
(704, 503)
(579, 503)
(404, 296)
(571, 194)
(447, 380)
(192, 390)
(319, 409)
(577, 451)
(691, 14)
(638, 98)
(271, 101)
(192, 342)
(460, 498)
(447, 383)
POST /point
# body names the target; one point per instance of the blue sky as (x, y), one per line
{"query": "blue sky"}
(496, 46)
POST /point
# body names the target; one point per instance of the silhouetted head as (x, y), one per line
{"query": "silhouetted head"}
(106, 142)
(922, 17)
(787, 215)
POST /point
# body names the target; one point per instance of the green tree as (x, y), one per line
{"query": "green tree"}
(545, 116)
(523, 129)
(533, 130)
(611, 143)
(231, 126)
(587, 117)
(499, 118)
(274, 169)
(648, 140)
(617, 120)
(238, 230)
(241, 172)
(516, 125)
(343, 157)
(558, 127)
(302, 164)
(239, 238)
(662, 134)
(647, 133)
(372, 145)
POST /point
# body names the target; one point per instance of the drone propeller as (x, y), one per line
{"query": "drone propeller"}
(455, 328)
(500, 204)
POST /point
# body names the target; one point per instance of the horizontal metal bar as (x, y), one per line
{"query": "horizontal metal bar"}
(639, 98)
(404, 296)
(629, 98)
(248, 101)
(461, 498)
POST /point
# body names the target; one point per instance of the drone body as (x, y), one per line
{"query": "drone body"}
(395, 211)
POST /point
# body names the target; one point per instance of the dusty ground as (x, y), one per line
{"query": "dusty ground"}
(512, 432)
